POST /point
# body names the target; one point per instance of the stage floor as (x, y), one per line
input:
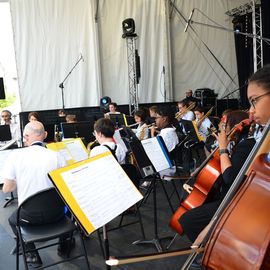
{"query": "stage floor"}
(120, 240)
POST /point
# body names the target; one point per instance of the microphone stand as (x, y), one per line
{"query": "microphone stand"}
(61, 85)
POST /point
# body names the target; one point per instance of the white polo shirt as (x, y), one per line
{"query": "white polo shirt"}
(29, 167)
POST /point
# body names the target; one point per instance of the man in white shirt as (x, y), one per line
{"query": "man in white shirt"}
(27, 171)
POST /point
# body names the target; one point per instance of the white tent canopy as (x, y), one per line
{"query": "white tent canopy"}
(51, 35)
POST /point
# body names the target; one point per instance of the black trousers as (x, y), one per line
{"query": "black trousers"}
(196, 219)
(42, 217)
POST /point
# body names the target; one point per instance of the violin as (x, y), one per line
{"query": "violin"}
(206, 177)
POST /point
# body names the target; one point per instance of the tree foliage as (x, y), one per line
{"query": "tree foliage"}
(10, 99)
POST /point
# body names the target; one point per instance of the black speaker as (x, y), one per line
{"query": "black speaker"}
(225, 104)
(206, 96)
(2, 89)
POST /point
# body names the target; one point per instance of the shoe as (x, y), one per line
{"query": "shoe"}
(33, 259)
(65, 247)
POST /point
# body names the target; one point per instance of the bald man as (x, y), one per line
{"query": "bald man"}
(27, 170)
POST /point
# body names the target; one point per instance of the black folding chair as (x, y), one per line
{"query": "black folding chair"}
(27, 235)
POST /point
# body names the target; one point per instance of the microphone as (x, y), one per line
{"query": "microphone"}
(82, 57)
(189, 20)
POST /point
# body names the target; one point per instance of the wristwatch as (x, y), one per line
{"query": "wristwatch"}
(223, 151)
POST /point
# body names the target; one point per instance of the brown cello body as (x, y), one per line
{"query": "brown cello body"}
(204, 182)
(241, 237)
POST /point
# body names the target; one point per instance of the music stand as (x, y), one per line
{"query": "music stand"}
(147, 169)
(50, 129)
(83, 130)
(5, 133)
(118, 119)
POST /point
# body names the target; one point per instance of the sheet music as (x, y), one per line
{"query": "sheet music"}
(78, 152)
(71, 150)
(101, 194)
(155, 153)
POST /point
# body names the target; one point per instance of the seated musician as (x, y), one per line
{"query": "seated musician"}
(112, 110)
(259, 97)
(104, 131)
(203, 123)
(142, 131)
(27, 171)
(183, 109)
(194, 220)
(71, 118)
(6, 119)
(164, 122)
(33, 116)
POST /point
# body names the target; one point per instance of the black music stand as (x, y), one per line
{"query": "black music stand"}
(5, 133)
(83, 130)
(118, 119)
(146, 169)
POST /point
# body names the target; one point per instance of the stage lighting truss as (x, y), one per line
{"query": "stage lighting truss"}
(130, 36)
(253, 7)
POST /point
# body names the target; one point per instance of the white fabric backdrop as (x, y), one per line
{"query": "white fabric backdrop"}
(50, 35)
(193, 66)
(149, 17)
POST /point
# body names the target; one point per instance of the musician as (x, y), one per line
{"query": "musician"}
(151, 115)
(190, 98)
(258, 93)
(164, 122)
(104, 131)
(183, 108)
(33, 116)
(204, 125)
(6, 117)
(142, 131)
(71, 118)
(112, 109)
(27, 170)
(196, 219)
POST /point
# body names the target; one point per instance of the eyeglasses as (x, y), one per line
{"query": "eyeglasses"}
(253, 101)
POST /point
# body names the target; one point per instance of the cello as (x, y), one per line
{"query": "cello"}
(207, 175)
(245, 245)
(252, 254)
(238, 235)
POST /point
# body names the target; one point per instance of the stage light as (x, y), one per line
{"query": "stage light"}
(104, 103)
(128, 26)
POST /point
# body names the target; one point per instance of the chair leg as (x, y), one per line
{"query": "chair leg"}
(24, 250)
(175, 236)
(101, 244)
(17, 252)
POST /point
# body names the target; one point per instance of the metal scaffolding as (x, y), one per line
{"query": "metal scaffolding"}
(257, 31)
(253, 7)
(132, 74)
